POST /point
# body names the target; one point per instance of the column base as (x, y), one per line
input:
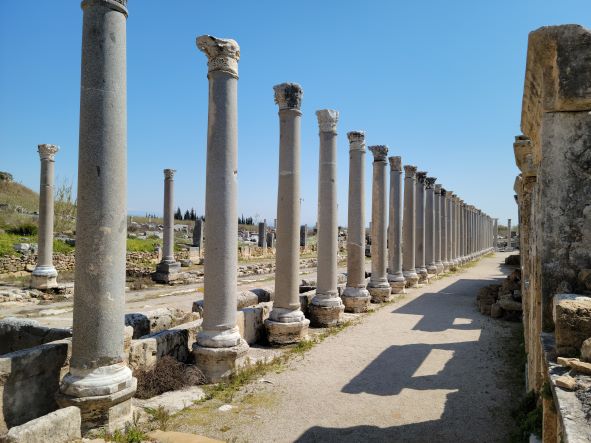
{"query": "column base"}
(280, 333)
(356, 300)
(102, 394)
(218, 364)
(412, 278)
(324, 315)
(423, 275)
(166, 272)
(44, 277)
(432, 269)
(446, 266)
(397, 283)
(439, 266)
(380, 294)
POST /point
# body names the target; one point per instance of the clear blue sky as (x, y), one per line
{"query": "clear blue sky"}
(439, 82)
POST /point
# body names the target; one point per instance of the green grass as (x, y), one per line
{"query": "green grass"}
(7, 240)
(139, 245)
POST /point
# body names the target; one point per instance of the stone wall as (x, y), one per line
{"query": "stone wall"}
(554, 157)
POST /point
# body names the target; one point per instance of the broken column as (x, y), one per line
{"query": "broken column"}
(168, 269)
(420, 265)
(327, 308)
(219, 349)
(198, 230)
(263, 235)
(430, 226)
(355, 297)
(99, 382)
(395, 277)
(408, 227)
(378, 285)
(44, 275)
(438, 228)
(286, 322)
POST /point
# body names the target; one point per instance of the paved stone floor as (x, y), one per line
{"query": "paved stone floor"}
(427, 368)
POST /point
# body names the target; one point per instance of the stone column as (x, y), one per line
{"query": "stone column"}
(168, 269)
(198, 234)
(495, 234)
(408, 227)
(430, 226)
(509, 246)
(444, 230)
(45, 276)
(378, 285)
(263, 235)
(219, 349)
(438, 228)
(99, 382)
(304, 236)
(286, 322)
(355, 297)
(462, 236)
(395, 278)
(420, 265)
(454, 229)
(448, 247)
(327, 308)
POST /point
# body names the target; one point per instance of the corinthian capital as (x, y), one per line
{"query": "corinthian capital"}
(288, 96)
(327, 120)
(395, 163)
(356, 140)
(47, 152)
(169, 174)
(438, 189)
(410, 170)
(222, 54)
(379, 152)
(430, 182)
(421, 176)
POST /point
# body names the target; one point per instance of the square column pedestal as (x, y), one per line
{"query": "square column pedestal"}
(167, 272)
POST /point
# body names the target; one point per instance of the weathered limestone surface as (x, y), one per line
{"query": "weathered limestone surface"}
(21, 333)
(286, 322)
(29, 379)
(572, 320)
(395, 277)
(44, 275)
(378, 285)
(61, 426)
(356, 297)
(327, 308)
(219, 345)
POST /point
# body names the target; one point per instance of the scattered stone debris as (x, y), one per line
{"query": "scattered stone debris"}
(504, 300)
(566, 382)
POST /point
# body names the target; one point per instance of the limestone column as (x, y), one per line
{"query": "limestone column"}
(356, 297)
(395, 278)
(495, 233)
(449, 248)
(438, 228)
(263, 236)
(509, 245)
(408, 227)
(444, 230)
(99, 381)
(454, 229)
(45, 275)
(286, 322)
(327, 308)
(462, 236)
(168, 269)
(219, 349)
(430, 226)
(198, 234)
(420, 265)
(378, 285)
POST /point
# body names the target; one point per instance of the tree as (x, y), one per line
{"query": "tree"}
(187, 215)
(178, 215)
(193, 214)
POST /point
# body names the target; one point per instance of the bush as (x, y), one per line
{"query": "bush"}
(169, 374)
(26, 229)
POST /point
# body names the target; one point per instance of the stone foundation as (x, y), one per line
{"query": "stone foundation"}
(356, 300)
(279, 333)
(218, 364)
(380, 295)
(325, 316)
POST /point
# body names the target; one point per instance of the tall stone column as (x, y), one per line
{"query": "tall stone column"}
(219, 349)
(438, 228)
(444, 230)
(495, 233)
(99, 382)
(430, 226)
(327, 308)
(356, 297)
(168, 268)
(45, 275)
(263, 235)
(408, 227)
(462, 237)
(395, 278)
(420, 265)
(509, 245)
(378, 286)
(286, 322)
(454, 229)
(198, 234)
(448, 247)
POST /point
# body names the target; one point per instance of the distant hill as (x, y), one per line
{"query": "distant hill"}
(17, 196)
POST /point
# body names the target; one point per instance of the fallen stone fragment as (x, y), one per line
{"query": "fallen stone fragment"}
(581, 366)
(586, 350)
(225, 408)
(566, 382)
(565, 361)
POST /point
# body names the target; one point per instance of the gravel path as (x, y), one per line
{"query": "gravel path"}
(428, 368)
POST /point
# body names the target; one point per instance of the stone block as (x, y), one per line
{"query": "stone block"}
(20, 333)
(572, 320)
(251, 322)
(218, 364)
(149, 322)
(29, 380)
(60, 426)
(496, 311)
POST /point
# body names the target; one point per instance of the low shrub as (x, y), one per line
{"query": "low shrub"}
(168, 374)
(25, 229)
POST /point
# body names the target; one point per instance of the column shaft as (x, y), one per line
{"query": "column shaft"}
(430, 226)
(395, 278)
(420, 266)
(438, 228)
(408, 227)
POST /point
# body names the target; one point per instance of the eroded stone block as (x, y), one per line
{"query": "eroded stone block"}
(572, 319)
(60, 426)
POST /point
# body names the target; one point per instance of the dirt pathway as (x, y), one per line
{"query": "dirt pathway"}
(428, 368)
